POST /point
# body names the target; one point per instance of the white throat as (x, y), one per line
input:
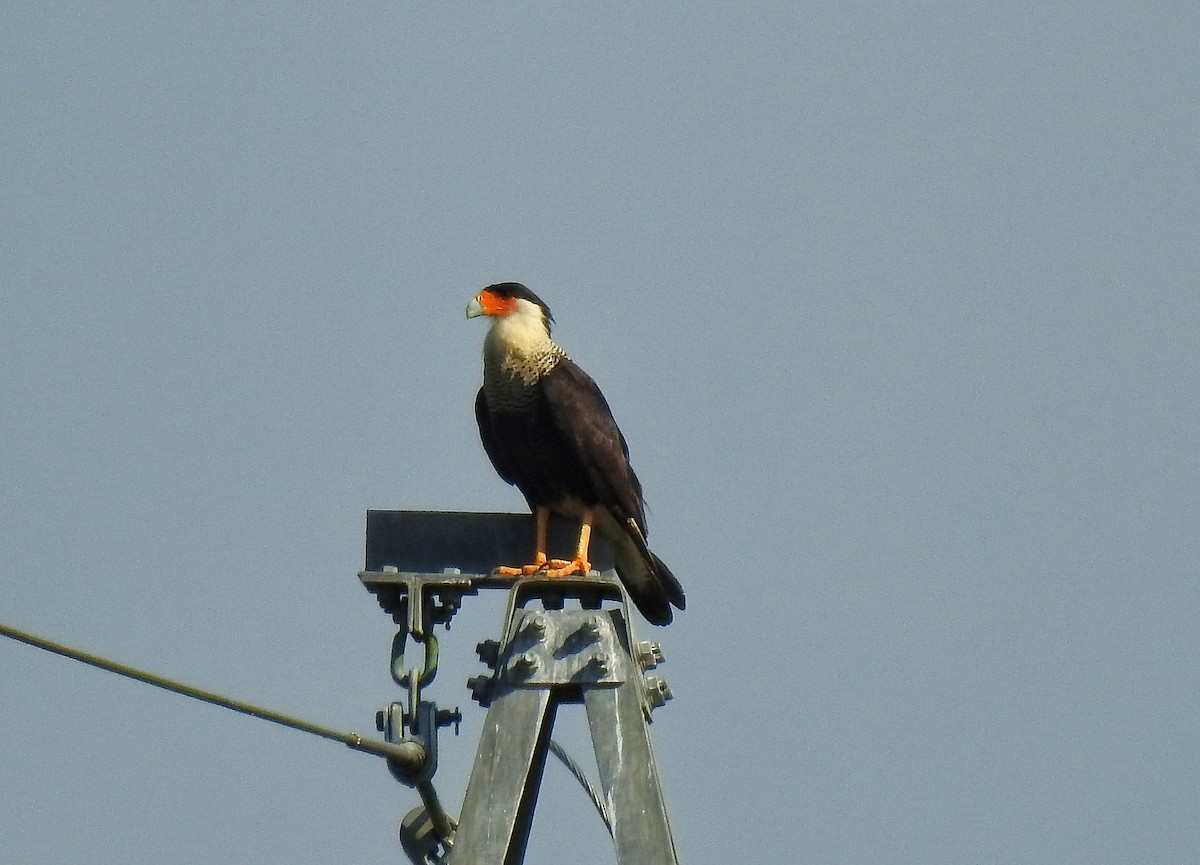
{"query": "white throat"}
(518, 344)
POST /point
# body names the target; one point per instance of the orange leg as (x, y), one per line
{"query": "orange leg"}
(580, 564)
(541, 516)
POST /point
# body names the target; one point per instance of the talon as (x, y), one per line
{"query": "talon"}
(566, 569)
(539, 563)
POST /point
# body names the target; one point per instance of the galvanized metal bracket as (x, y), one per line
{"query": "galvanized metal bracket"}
(551, 656)
(420, 566)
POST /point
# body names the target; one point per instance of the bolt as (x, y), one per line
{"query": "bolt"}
(600, 663)
(649, 654)
(444, 612)
(488, 651)
(481, 689)
(534, 625)
(591, 628)
(446, 717)
(657, 692)
(525, 664)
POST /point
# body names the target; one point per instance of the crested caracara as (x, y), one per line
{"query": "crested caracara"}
(548, 430)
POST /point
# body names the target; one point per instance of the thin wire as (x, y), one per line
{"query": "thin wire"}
(352, 740)
(575, 769)
(406, 755)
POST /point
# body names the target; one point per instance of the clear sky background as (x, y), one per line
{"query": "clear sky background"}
(896, 303)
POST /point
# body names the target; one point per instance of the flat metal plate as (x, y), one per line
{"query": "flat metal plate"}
(563, 647)
(473, 542)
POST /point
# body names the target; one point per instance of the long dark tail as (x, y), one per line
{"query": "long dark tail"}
(651, 585)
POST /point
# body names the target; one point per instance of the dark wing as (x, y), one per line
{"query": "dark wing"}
(582, 416)
(483, 417)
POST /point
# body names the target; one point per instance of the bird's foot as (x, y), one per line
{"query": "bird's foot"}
(522, 571)
(556, 568)
(539, 563)
(549, 568)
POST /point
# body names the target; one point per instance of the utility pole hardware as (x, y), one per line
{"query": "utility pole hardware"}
(568, 640)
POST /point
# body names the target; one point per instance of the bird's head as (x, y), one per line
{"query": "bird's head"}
(509, 299)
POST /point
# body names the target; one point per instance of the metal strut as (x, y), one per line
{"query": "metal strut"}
(549, 654)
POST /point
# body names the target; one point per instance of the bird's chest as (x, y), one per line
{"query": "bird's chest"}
(510, 380)
(509, 394)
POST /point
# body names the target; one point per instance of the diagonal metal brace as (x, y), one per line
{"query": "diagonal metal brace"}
(549, 657)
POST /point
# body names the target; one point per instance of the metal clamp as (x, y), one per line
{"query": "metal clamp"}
(418, 601)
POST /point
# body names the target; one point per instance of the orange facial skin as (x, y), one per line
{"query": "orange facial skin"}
(495, 305)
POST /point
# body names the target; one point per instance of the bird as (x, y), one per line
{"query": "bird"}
(548, 430)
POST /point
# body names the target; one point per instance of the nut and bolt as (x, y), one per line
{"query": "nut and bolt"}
(591, 628)
(657, 692)
(524, 665)
(488, 652)
(446, 717)
(534, 626)
(649, 654)
(481, 689)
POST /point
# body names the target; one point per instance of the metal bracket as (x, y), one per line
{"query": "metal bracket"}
(552, 656)
(549, 654)
(417, 600)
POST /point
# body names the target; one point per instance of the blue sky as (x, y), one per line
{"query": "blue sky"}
(895, 304)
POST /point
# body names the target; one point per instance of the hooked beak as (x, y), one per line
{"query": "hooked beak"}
(475, 308)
